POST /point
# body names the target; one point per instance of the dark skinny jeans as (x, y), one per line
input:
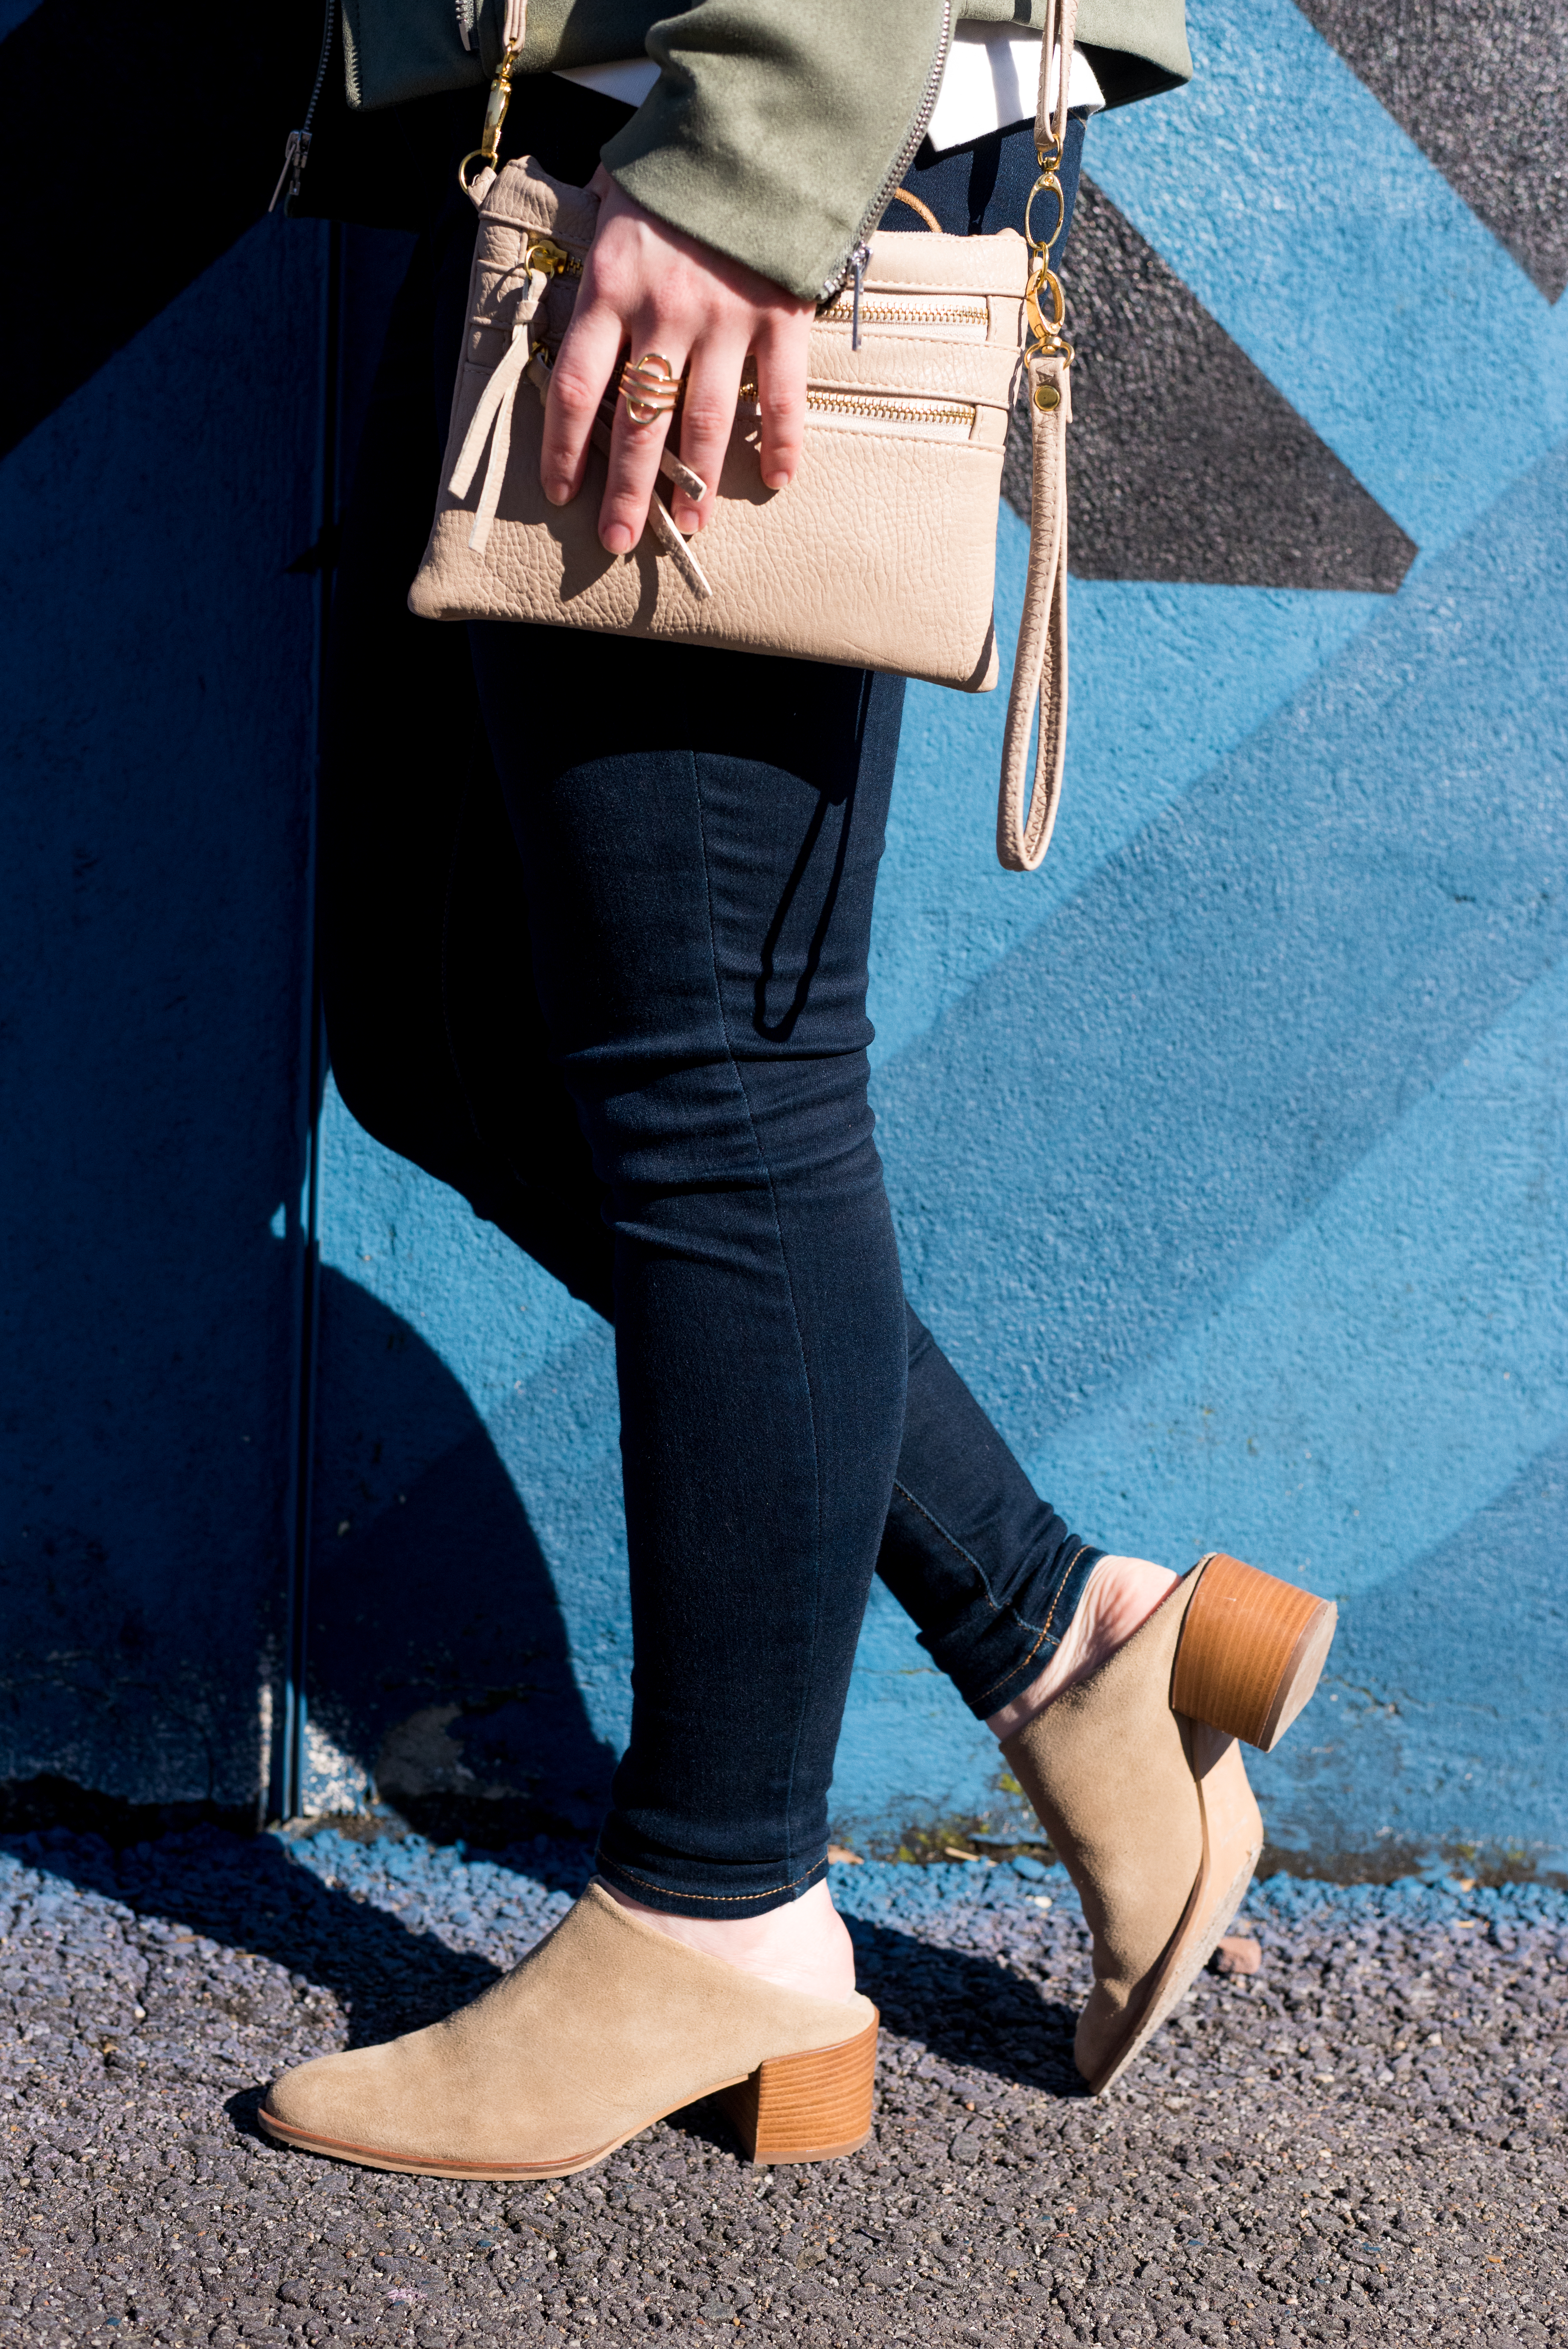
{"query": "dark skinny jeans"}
(596, 917)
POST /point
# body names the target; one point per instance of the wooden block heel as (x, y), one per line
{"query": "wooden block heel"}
(807, 2107)
(1250, 1652)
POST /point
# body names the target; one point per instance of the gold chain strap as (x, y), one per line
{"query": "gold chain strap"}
(1047, 340)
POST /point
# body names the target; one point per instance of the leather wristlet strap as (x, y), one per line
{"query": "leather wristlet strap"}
(1060, 32)
(1040, 667)
(1024, 816)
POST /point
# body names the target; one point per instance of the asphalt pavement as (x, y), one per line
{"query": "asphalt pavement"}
(1362, 2142)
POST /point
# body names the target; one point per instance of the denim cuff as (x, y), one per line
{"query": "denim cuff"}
(1011, 1644)
(691, 1889)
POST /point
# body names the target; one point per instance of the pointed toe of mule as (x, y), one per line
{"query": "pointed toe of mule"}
(1136, 1776)
(603, 2029)
(365, 2097)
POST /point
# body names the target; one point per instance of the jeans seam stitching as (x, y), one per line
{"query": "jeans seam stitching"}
(996, 1605)
(767, 1894)
(1081, 1551)
(789, 1290)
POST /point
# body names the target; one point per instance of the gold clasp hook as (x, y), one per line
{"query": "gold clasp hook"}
(1048, 332)
(553, 259)
(1048, 342)
(488, 152)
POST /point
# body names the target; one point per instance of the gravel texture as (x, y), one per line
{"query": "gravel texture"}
(1362, 2141)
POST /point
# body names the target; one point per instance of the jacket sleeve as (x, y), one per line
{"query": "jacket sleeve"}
(777, 128)
(774, 133)
(777, 133)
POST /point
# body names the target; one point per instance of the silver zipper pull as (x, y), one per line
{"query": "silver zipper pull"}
(296, 155)
(296, 151)
(858, 259)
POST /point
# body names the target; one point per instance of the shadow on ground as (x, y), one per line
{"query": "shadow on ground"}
(973, 2011)
(251, 1895)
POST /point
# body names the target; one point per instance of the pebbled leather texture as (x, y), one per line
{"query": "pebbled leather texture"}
(882, 553)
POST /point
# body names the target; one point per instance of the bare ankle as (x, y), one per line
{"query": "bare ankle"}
(803, 1946)
(1120, 1595)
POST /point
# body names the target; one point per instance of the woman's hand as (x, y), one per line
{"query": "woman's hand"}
(651, 288)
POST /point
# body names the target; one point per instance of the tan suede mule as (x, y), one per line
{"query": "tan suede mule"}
(1138, 1780)
(602, 2030)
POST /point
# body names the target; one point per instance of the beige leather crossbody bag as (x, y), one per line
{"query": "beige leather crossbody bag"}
(882, 553)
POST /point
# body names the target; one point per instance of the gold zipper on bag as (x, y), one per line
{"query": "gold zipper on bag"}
(886, 407)
(879, 310)
(821, 399)
(878, 406)
(540, 253)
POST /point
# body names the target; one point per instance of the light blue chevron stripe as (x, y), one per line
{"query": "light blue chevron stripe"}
(1388, 1369)
(1164, 681)
(1345, 266)
(1144, 1099)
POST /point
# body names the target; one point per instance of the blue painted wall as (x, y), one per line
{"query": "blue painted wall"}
(1227, 1153)
(159, 722)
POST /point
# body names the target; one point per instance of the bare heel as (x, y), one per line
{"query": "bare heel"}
(1250, 1652)
(807, 2107)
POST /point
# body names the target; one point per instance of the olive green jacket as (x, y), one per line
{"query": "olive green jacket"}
(777, 128)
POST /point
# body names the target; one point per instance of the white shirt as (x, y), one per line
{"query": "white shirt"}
(988, 83)
(992, 75)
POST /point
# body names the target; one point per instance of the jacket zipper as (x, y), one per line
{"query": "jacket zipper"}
(296, 151)
(855, 259)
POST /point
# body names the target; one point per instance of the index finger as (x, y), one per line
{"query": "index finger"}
(589, 354)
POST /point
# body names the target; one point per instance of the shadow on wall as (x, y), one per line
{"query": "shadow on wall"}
(151, 1087)
(157, 746)
(439, 1664)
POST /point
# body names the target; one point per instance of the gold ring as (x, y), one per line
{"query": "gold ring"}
(650, 388)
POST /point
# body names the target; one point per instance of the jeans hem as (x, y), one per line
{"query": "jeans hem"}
(1043, 1641)
(710, 1899)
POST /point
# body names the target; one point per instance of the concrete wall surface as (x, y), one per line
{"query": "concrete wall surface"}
(1227, 1153)
(159, 721)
